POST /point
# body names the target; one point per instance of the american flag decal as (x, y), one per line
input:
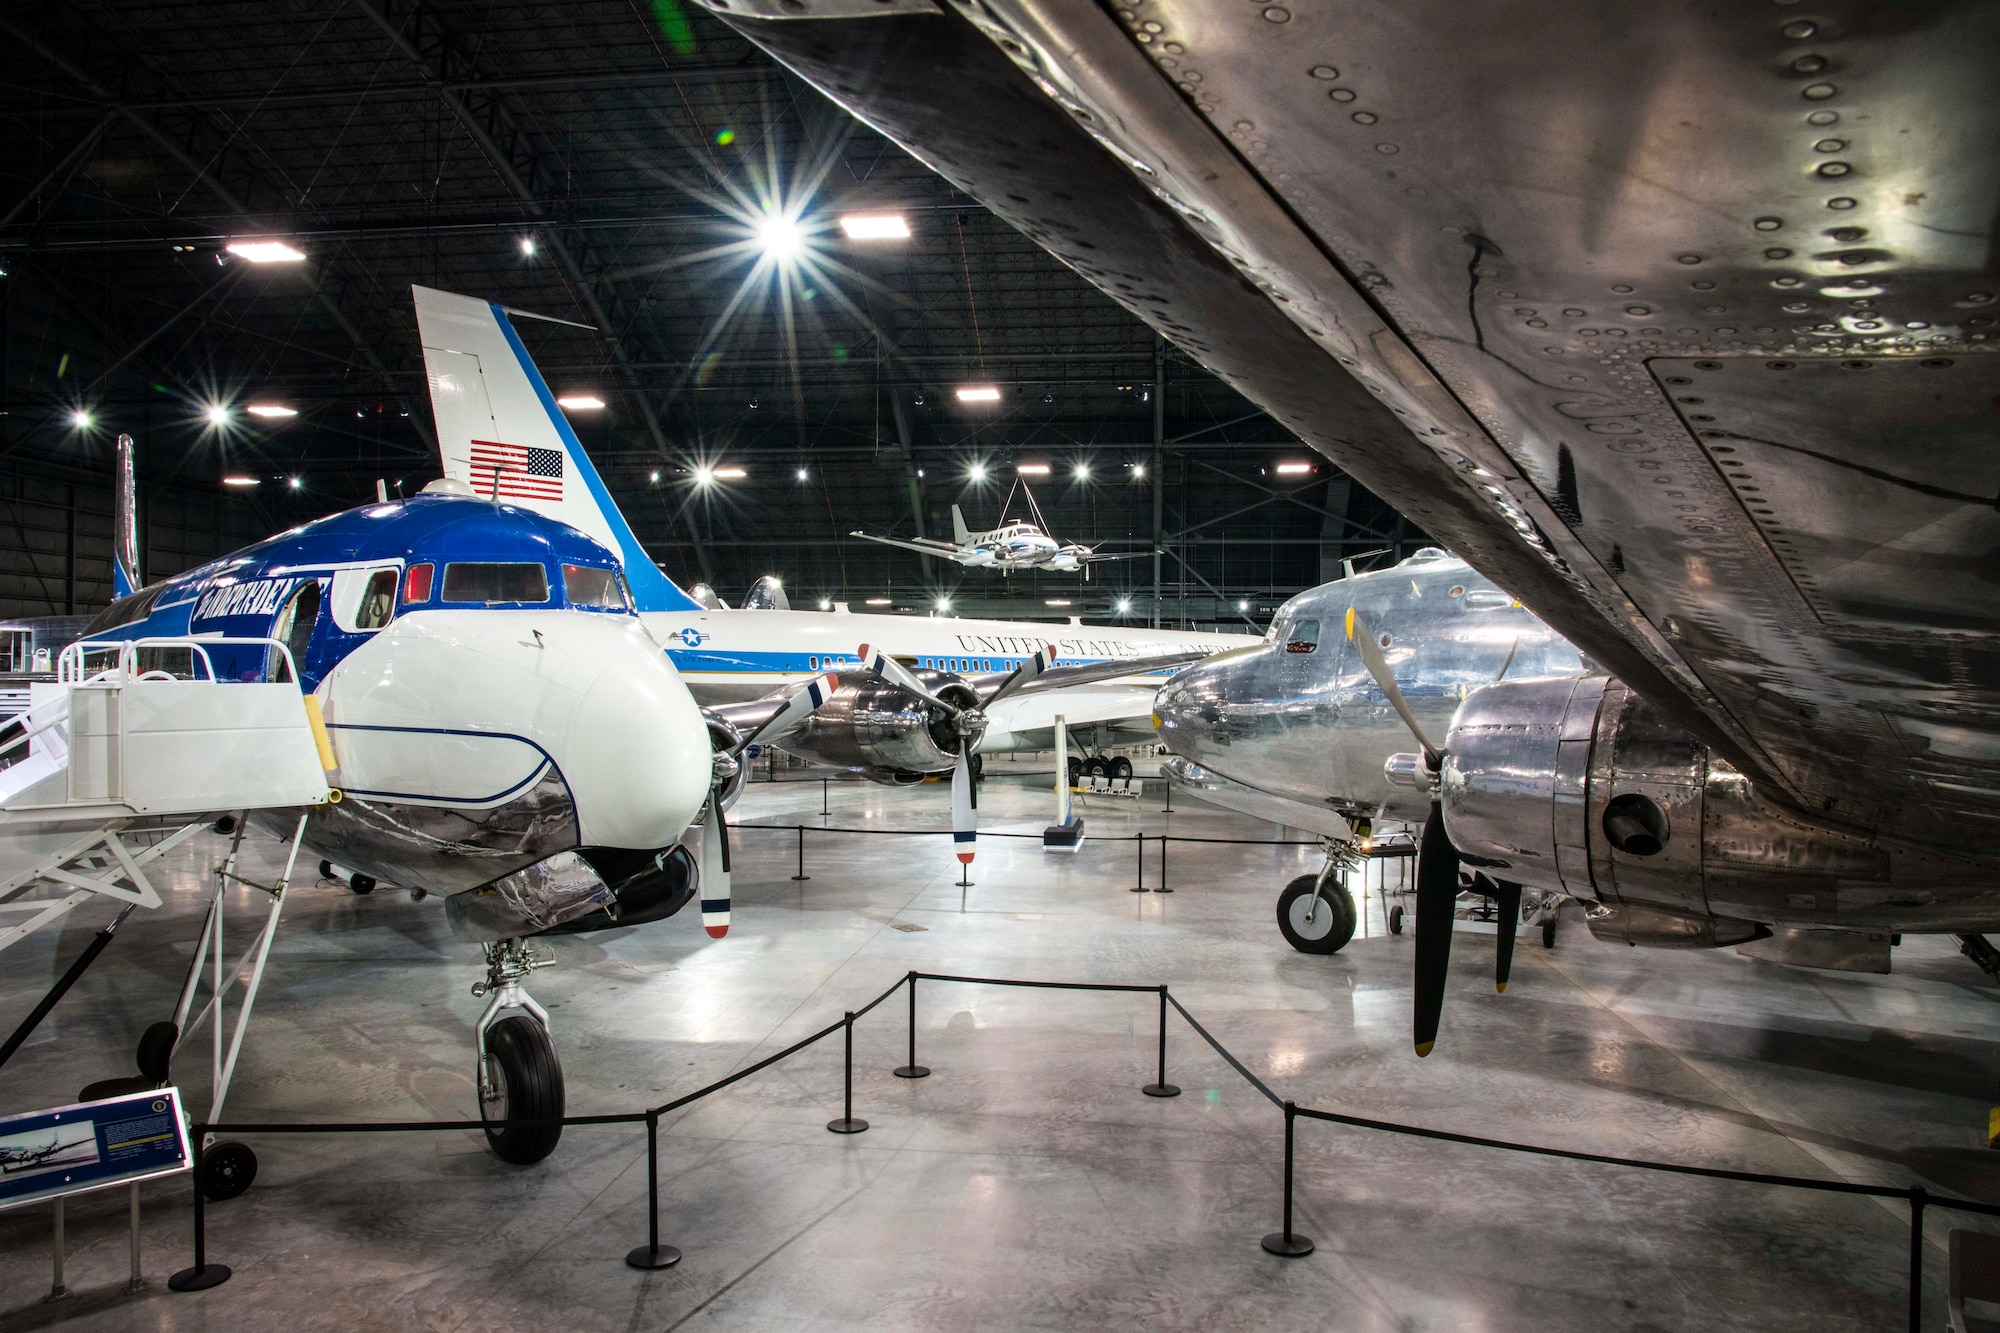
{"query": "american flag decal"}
(516, 472)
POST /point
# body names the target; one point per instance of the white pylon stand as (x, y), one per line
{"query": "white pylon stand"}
(1066, 834)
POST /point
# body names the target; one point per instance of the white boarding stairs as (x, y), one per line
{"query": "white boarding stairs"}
(117, 751)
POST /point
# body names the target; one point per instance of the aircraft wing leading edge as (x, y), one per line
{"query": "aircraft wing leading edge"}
(1654, 345)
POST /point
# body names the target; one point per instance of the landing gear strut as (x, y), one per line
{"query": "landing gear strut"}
(520, 1079)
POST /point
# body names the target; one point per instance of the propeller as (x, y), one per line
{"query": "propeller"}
(1507, 897)
(967, 725)
(715, 888)
(1363, 639)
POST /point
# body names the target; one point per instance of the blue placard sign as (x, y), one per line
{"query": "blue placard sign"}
(70, 1149)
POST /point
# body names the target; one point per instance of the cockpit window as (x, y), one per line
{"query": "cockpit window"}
(378, 600)
(125, 610)
(594, 589)
(1303, 637)
(491, 583)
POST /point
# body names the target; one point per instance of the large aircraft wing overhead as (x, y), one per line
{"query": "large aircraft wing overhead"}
(1676, 320)
(920, 544)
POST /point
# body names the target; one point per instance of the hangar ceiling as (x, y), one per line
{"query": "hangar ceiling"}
(612, 164)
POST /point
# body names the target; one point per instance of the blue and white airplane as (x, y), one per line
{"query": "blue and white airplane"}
(501, 432)
(503, 730)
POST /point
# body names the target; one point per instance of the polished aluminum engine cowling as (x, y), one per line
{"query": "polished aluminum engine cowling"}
(1581, 787)
(882, 730)
(529, 900)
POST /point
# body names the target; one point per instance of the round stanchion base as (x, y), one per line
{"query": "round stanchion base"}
(1161, 1090)
(846, 1126)
(1140, 889)
(797, 878)
(199, 1279)
(651, 1257)
(912, 1071)
(1293, 1246)
(1159, 890)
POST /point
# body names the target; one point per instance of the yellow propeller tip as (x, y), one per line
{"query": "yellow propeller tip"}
(1424, 1048)
(1350, 622)
(1500, 987)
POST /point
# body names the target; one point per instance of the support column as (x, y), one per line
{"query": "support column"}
(1159, 465)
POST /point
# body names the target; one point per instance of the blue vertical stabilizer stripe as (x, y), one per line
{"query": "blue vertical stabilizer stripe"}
(651, 590)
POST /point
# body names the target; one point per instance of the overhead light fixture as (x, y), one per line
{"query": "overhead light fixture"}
(730, 473)
(1056, 601)
(80, 419)
(527, 245)
(1032, 469)
(875, 227)
(880, 601)
(239, 481)
(825, 605)
(1243, 606)
(656, 476)
(581, 402)
(217, 414)
(1083, 472)
(944, 603)
(702, 476)
(802, 474)
(977, 471)
(265, 252)
(1293, 469)
(1124, 605)
(781, 237)
(297, 482)
(1138, 471)
(978, 393)
(271, 410)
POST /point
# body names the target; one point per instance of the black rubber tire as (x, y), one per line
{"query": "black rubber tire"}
(1075, 770)
(224, 826)
(1549, 933)
(979, 768)
(1121, 767)
(227, 1169)
(530, 1080)
(1095, 767)
(326, 870)
(362, 884)
(1337, 924)
(1396, 919)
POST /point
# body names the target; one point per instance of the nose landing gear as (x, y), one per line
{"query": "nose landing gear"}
(1315, 912)
(520, 1079)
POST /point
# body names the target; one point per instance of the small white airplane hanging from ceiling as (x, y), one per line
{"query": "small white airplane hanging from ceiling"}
(1010, 547)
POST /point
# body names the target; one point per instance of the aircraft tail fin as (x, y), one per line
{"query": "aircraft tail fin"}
(125, 575)
(959, 532)
(500, 431)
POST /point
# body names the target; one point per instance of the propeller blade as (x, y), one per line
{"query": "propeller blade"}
(1363, 639)
(1437, 892)
(796, 709)
(1024, 675)
(1507, 899)
(964, 808)
(889, 669)
(715, 870)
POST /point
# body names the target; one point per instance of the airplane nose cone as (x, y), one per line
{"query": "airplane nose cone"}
(1194, 709)
(466, 707)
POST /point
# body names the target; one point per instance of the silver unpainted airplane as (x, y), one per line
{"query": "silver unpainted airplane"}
(1690, 349)
(1011, 547)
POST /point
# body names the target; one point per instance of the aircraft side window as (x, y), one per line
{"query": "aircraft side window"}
(1487, 599)
(513, 581)
(592, 588)
(378, 600)
(417, 584)
(1303, 637)
(812, 664)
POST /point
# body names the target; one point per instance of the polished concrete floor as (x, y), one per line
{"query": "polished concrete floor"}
(1027, 1183)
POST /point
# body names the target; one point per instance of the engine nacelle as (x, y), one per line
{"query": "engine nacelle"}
(1579, 786)
(886, 732)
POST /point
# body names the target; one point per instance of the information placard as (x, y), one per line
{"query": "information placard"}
(70, 1149)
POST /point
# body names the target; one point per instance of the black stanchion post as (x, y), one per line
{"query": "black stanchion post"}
(1917, 1197)
(802, 875)
(847, 1124)
(1288, 1244)
(204, 1274)
(912, 1069)
(653, 1255)
(822, 797)
(1161, 887)
(1162, 1088)
(1140, 839)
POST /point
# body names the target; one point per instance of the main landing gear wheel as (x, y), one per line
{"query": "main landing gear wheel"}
(1095, 767)
(1549, 933)
(1121, 767)
(1396, 919)
(527, 1086)
(1332, 923)
(227, 1169)
(1075, 770)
